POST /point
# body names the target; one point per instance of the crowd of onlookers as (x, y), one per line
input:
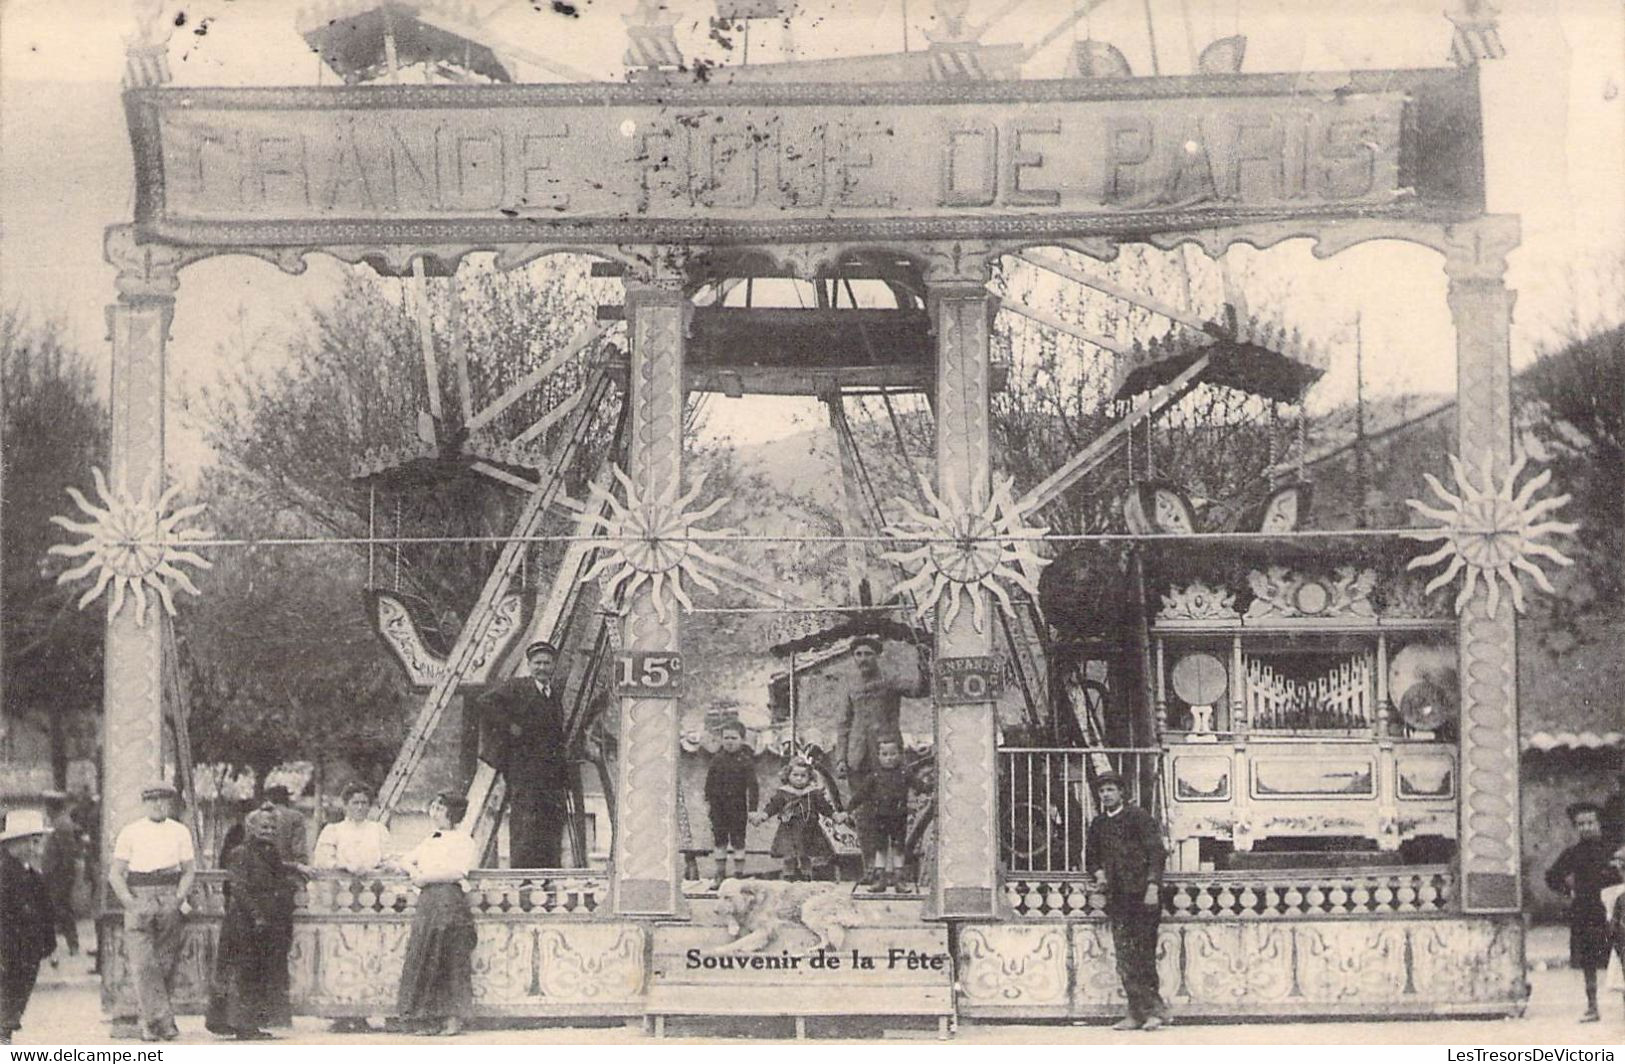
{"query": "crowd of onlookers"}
(153, 865)
(265, 857)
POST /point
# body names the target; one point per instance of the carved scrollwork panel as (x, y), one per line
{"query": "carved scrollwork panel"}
(1013, 967)
(1198, 601)
(590, 963)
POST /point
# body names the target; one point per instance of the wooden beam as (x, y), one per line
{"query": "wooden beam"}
(1082, 463)
(551, 418)
(750, 580)
(1050, 320)
(1065, 24)
(459, 352)
(976, 32)
(535, 377)
(503, 476)
(1151, 303)
(431, 362)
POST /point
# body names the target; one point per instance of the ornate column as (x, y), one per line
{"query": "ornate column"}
(1481, 306)
(132, 691)
(647, 866)
(966, 881)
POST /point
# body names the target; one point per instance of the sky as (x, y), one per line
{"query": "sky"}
(1554, 119)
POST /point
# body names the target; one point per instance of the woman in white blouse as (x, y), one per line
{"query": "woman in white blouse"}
(437, 980)
(355, 844)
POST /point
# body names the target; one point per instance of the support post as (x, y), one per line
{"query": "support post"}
(647, 869)
(966, 881)
(133, 664)
(1481, 307)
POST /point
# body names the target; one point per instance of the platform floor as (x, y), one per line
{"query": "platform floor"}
(66, 1011)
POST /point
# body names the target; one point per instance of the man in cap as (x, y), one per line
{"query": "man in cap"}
(525, 741)
(27, 935)
(152, 873)
(1125, 853)
(873, 714)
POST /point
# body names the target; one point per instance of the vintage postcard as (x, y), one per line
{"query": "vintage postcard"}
(1047, 521)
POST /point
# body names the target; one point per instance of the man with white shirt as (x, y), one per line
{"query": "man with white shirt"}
(525, 741)
(153, 868)
(1124, 851)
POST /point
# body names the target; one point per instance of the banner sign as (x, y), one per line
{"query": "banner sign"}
(695, 163)
(960, 680)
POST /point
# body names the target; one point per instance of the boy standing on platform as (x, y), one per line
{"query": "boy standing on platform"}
(883, 827)
(1579, 874)
(731, 794)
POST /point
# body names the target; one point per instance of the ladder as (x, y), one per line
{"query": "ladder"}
(487, 792)
(177, 711)
(599, 387)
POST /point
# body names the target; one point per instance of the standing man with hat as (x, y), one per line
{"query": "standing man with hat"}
(873, 715)
(153, 868)
(27, 931)
(525, 741)
(1123, 849)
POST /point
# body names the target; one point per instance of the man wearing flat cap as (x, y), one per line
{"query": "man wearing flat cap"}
(873, 713)
(152, 873)
(524, 739)
(1124, 852)
(873, 709)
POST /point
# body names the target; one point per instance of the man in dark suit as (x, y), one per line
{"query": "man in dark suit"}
(523, 721)
(1125, 853)
(27, 935)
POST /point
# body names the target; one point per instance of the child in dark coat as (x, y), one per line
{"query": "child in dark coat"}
(799, 803)
(730, 794)
(1579, 874)
(882, 797)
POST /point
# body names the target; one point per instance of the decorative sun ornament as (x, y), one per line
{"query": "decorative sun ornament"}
(1488, 531)
(654, 542)
(966, 549)
(134, 543)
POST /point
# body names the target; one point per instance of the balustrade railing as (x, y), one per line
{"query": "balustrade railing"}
(491, 892)
(1296, 894)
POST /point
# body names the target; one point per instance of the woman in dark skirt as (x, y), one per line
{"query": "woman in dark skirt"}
(437, 980)
(249, 990)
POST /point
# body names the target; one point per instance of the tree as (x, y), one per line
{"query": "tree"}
(280, 662)
(1574, 401)
(1216, 443)
(55, 430)
(282, 659)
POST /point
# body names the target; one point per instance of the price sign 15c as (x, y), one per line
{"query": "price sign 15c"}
(649, 673)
